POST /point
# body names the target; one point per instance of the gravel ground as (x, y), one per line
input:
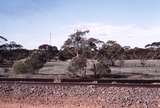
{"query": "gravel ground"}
(77, 96)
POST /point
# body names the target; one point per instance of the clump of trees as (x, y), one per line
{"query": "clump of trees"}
(79, 49)
(30, 64)
(11, 46)
(84, 49)
(153, 45)
(51, 51)
(142, 53)
(10, 52)
(78, 42)
(66, 53)
(109, 52)
(36, 59)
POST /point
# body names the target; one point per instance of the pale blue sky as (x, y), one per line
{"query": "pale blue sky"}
(130, 22)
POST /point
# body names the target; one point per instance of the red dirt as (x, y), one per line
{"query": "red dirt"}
(67, 104)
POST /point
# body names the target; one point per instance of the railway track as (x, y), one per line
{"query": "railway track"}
(69, 82)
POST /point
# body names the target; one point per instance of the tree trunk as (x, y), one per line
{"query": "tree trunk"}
(95, 71)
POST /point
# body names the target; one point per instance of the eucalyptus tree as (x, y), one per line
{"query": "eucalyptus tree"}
(110, 51)
(76, 40)
(153, 45)
(79, 43)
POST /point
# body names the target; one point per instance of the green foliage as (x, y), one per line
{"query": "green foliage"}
(21, 67)
(100, 69)
(79, 45)
(110, 51)
(76, 40)
(30, 64)
(77, 66)
(153, 45)
(51, 51)
(37, 59)
(66, 53)
(11, 46)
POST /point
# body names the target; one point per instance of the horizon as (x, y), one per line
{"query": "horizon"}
(30, 22)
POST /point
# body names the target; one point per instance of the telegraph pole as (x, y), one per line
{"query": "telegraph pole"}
(50, 38)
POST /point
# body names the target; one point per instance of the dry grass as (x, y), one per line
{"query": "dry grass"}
(130, 67)
(137, 63)
(59, 67)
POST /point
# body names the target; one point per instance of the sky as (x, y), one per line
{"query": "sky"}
(132, 23)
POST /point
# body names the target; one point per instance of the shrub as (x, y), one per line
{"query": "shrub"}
(66, 53)
(100, 69)
(30, 64)
(22, 67)
(37, 59)
(77, 66)
(51, 51)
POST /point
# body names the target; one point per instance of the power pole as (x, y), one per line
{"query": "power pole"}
(50, 40)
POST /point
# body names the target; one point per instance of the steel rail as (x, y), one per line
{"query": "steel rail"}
(108, 83)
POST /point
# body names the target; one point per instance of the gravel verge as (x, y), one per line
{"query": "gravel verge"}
(78, 96)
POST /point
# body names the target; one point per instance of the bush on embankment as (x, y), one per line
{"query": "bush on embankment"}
(31, 64)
